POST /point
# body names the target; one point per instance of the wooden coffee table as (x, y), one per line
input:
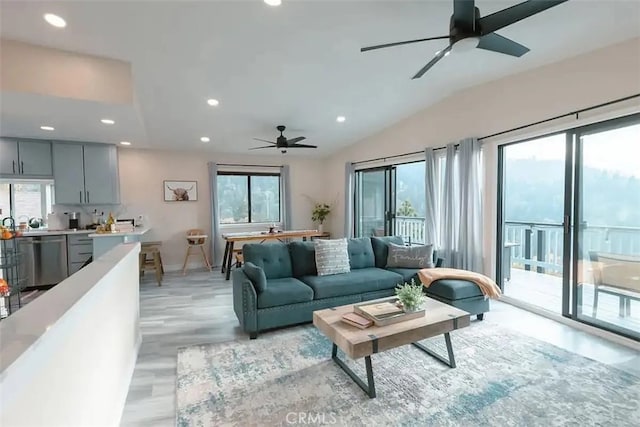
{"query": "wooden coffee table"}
(439, 319)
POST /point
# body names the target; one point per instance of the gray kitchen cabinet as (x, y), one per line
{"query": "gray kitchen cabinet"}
(101, 174)
(68, 173)
(79, 251)
(86, 174)
(25, 158)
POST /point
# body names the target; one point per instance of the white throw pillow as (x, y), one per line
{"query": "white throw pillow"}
(332, 257)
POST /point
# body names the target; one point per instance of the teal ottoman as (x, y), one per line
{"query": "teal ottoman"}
(461, 294)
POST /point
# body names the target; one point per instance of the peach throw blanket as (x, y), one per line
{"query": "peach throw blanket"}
(488, 287)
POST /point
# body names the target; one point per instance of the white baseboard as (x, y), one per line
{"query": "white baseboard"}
(610, 336)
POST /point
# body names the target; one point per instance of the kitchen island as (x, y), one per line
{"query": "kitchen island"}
(104, 242)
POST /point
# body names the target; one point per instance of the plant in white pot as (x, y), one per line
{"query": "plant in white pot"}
(320, 212)
(410, 296)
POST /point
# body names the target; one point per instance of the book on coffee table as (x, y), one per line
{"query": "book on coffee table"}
(385, 312)
(356, 320)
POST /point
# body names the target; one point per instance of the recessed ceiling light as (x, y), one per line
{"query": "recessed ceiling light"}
(47, 128)
(55, 20)
(107, 121)
(273, 2)
(125, 143)
(213, 102)
(341, 119)
(205, 139)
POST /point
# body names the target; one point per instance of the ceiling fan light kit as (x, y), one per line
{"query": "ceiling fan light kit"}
(468, 30)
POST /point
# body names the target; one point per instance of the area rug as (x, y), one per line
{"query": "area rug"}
(502, 379)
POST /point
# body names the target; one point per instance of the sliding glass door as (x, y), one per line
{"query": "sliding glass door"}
(607, 238)
(374, 202)
(569, 224)
(533, 193)
(390, 200)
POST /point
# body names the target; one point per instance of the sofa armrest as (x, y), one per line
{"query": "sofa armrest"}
(245, 301)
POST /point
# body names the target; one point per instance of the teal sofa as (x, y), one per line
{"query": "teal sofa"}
(293, 290)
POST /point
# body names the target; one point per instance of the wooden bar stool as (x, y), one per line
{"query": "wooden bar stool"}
(156, 245)
(195, 239)
(149, 259)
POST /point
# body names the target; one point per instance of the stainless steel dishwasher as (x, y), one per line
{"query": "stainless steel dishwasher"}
(44, 259)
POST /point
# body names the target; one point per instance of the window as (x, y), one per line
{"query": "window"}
(248, 198)
(26, 199)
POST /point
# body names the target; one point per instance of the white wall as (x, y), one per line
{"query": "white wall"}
(67, 357)
(42, 70)
(142, 173)
(521, 99)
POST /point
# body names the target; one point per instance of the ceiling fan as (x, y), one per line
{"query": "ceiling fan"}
(282, 143)
(466, 27)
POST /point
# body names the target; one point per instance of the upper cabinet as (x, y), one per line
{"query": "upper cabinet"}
(25, 158)
(86, 174)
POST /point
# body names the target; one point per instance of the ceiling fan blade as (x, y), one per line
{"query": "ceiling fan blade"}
(382, 46)
(302, 146)
(496, 43)
(264, 140)
(495, 21)
(464, 14)
(294, 140)
(441, 54)
(264, 146)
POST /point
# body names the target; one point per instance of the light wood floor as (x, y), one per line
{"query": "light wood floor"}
(197, 308)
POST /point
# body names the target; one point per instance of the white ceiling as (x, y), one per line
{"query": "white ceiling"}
(298, 65)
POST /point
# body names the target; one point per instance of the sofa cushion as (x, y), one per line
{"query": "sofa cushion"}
(256, 275)
(273, 258)
(355, 282)
(410, 256)
(331, 257)
(407, 273)
(361, 253)
(284, 291)
(454, 289)
(303, 259)
(381, 248)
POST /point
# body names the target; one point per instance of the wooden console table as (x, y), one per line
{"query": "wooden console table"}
(261, 236)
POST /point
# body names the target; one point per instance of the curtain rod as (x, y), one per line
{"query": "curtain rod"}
(572, 113)
(249, 166)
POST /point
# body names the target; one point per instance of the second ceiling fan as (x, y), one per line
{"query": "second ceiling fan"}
(466, 23)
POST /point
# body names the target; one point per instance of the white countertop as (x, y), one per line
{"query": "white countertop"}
(136, 232)
(46, 232)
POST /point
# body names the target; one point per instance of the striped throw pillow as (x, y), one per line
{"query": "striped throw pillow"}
(332, 257)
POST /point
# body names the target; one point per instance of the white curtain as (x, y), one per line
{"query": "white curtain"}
(431, 220)
(349, 193)
(286, 195)
(460, 221)
(470, 233)
(216, 245)
(449, 213)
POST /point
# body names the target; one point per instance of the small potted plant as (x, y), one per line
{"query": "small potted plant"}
(320, 212)
(410, 295)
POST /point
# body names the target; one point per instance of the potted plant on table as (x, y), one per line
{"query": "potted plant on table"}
(410, 295)
(320, 212)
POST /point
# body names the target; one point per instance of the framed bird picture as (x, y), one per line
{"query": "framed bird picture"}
(180, 191)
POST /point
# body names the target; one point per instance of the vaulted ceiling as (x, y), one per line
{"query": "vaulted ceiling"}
(298, 64)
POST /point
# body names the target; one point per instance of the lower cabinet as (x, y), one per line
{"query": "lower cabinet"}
(79, 251)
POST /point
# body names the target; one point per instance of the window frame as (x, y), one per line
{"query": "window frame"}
(46, 186)
(249, 175)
